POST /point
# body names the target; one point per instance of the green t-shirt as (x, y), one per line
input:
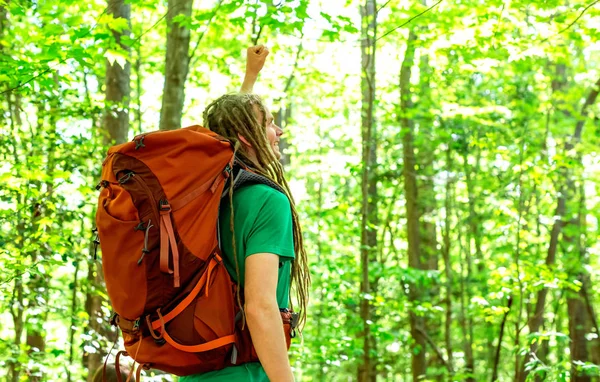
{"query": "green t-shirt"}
(263, 224)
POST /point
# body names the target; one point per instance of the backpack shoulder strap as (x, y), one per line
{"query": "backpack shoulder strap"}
(243, 177)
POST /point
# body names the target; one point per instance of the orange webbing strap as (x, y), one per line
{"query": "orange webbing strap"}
(210, 345)
(211, 184)
(214, 261)
(167, 239)
(219, 342)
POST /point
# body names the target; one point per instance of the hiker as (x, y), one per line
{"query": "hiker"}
(260, 233)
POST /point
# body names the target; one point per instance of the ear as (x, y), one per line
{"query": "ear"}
(244, 141)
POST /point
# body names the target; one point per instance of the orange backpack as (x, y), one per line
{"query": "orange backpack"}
(157, 222)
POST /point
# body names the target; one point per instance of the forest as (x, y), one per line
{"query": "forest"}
(443, 155)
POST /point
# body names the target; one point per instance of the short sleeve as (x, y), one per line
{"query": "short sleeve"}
(272, 230)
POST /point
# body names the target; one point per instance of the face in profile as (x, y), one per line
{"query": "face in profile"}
(274, 132)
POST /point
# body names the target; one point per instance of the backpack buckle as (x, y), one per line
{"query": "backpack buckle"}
(113, 319)
(139, 142)
(136, 324)
(163, 205)
(125, 178)
(227, 171)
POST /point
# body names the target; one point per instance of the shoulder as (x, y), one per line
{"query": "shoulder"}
(261, 195)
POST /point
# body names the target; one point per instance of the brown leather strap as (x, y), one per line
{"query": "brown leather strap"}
(118, 365)
(214, 261)
(138, 373)
(167, 239)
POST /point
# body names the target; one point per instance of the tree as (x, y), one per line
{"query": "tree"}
(419, 363)
(176, 63)
(115, 130)
(369, 214)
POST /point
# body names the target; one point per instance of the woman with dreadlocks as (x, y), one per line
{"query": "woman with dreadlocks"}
(260, 232)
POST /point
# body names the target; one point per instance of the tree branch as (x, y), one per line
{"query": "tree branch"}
(411, 19)
(500, 337)
(436, 348)
(206, 28)
(578, 17)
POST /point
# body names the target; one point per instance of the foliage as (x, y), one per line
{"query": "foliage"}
(497, 92)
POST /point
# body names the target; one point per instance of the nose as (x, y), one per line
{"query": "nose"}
(279, 131)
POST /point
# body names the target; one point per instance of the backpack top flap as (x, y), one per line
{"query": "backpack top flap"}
(191, 165)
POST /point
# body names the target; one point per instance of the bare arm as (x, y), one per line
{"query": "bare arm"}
(255, 60)
(263, 317)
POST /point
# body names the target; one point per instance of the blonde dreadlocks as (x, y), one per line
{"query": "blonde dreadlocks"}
(231, 116)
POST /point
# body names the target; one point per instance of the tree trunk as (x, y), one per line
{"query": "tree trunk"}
(176, 65)
(446, 256)
(465, 322)
(537, 320)
(427, 203)
(419, 363)
(17, 315)
(283, 115)
(579, 320)
(115, 130)
(578, 325)
(369, 214)
(138, 89)
(116, 117)
(73, 326)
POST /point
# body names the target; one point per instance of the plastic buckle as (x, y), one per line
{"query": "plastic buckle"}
(101, 184)
(163, 205)
(125, 178)
(136, 324)
(294, 320)
(139, 142)
(227, 171)
(113, 319)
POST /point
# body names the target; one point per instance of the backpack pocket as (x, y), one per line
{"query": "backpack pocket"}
(206, 326)
(121, 244)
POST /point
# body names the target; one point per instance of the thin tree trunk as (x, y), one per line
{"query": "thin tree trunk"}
(446, 256)
(176, 65)
(369, 214)
(578, 325)
(579, 321)
(500, 338)
(427, 202)
(118, 88)
(595, 343)
(93, 306)
(537, 320)
(417, 324)
(465, 321)
(16, 305)
(138, 89)
(283, 115)
(17, 315)
(474, 236)
(73, 326)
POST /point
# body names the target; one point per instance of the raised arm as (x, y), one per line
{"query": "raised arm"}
(255, 60)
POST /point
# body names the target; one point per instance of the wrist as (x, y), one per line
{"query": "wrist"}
(250, 75)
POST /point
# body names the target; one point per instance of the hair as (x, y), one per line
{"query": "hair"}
(234, 115)
(111, 374)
